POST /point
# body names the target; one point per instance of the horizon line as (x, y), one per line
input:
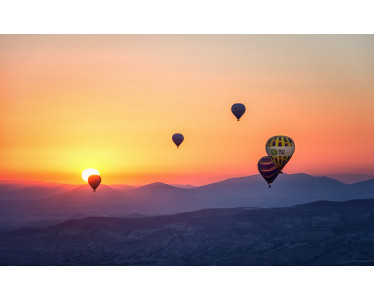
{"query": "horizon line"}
(185, 184)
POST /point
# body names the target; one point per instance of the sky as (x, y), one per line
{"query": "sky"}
(112, 102)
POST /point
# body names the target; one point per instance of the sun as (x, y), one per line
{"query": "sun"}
(88, 172)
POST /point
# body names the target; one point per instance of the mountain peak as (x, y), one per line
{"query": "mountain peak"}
(157, 186)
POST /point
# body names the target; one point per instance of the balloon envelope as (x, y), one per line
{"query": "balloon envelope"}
(94, 181)
(280, 148)
(238, 109)
(177, 139)
(267, 169)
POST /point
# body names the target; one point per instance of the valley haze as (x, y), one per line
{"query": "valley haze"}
(301, 220)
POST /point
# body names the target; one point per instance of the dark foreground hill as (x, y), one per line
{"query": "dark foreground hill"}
(318, 233)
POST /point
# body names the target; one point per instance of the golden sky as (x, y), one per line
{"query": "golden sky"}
(112, 102)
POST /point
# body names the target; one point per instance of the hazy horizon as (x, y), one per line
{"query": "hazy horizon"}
(342, 177)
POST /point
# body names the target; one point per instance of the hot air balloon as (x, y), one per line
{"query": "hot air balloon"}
(94, 181)
(238, 110)
(280, 148)
(177, 139)
(267, 169)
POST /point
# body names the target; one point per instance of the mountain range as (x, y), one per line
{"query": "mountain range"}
(23, 204)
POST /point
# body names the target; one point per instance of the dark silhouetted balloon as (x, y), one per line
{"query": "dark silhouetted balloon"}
(268, 169)
(177, 139)
(238, 110)
(94, 181)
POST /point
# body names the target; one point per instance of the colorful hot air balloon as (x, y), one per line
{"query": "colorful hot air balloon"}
(177, 139)
(280, 148)
(94, 181)
(267, 169)
(238, 110)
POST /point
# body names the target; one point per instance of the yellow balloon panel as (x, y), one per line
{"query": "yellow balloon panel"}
(280, 148)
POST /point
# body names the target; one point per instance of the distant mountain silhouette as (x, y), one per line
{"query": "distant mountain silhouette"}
(160, 198)
(123, 187)
(185, 186)
(350, 178)
(127, 216)
(10, 190)
(318, 233)
(365, 185)
(287, 190)
(157, 187)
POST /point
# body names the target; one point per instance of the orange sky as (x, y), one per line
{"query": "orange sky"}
(112, 103)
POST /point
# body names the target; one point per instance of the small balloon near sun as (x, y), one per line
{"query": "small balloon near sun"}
(88, 172)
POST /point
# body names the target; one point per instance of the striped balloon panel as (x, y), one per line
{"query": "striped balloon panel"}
(280, 141)
(267, 169)
(280, 161)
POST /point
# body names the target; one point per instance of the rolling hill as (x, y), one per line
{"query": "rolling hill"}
(318, 233)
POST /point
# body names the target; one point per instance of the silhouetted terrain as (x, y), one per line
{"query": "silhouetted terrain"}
(350, 178)
(13, 190)
(25, 205)
(318, 233)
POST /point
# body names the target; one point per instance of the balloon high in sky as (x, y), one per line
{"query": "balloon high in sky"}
(177, 139)
(238, 109)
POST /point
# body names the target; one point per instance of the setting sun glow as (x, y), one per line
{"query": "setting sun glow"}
(88, 172)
